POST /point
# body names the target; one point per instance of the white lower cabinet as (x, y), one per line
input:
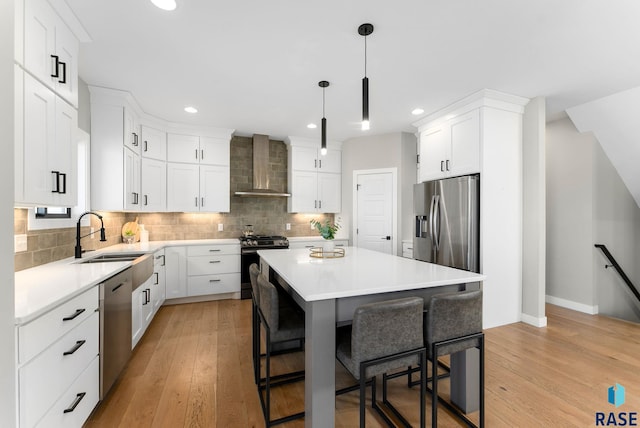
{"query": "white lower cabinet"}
(159, 293)
(213, 269)
(176, 272)
(200, 270)
(63, 375)
(141, 310)
(75, 406)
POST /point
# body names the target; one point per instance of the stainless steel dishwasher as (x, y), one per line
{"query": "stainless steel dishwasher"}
(115, 327)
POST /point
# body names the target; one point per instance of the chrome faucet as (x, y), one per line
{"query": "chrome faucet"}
(103, 238)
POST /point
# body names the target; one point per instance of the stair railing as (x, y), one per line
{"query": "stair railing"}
(614, 264)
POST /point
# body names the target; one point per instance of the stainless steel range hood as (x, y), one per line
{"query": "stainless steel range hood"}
(261, 170)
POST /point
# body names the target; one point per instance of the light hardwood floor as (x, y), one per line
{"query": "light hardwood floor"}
(193, 369)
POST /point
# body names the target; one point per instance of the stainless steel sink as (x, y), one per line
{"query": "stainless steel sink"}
(141, 266)
(112, 258)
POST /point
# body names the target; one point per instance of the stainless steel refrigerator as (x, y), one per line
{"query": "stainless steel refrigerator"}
(447, 224)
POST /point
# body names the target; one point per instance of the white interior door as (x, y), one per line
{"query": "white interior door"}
(375, 208)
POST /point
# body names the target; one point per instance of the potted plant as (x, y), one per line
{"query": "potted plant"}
(328, 231)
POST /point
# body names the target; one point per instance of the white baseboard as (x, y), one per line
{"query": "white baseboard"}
(534, 321)
(580, 307)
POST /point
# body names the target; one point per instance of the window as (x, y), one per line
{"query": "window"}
(52, 212)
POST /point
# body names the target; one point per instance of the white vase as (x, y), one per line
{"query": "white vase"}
(328, 246)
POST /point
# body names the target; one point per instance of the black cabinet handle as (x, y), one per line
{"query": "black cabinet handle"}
(215, 280)
(114, 289)
(161, 256)
(214, 249)
(157, 278)
(56, 187)
(214, 261)
(75, 403)
(75, 315)
(56, 66)
(64, 183)
(320, 163)
(135, 139)
(442, 166)
(145, 199)
(64, 73)
(447, 164)
(146, 145)
(77, 346)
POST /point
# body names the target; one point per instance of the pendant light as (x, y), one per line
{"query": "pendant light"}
(323, 147)
(365, 30)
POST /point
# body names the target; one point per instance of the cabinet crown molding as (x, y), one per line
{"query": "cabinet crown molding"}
(482, 98)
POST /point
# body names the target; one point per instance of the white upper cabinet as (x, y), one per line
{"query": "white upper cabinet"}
(48, 148)
(310, 159)
(154, 143)
(131, 135)
(183, 148)
(51, 50)
(215, 151)
(200, 150)
(153, 185)
(160, 171)
(198, 173)
(315, 180)
(451, 148)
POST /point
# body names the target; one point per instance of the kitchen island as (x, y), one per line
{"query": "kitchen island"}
(329, 289)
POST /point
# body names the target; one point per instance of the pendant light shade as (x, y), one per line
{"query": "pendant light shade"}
(365, 30)
(323, 145)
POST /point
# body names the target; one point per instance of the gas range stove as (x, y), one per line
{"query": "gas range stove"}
(263, 242)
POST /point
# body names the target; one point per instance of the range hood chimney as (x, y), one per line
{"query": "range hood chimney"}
(261, 170)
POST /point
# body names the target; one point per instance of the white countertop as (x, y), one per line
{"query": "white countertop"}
(360, 272)
(42, 288)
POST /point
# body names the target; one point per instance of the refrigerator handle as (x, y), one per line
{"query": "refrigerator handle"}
(433, 200)
(435, 230)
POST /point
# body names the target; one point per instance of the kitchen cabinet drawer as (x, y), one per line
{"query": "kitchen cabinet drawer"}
(294, 245)
(213, 284)
(214, 264)
(44, 379)
(208, 250)
(41, 332)
(76, 404)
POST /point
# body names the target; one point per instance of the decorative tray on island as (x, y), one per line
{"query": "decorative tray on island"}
(318, 252)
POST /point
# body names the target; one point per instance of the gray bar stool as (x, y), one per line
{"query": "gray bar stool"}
(280, 327)
(255, 321)
(384, 336)
(454, 324)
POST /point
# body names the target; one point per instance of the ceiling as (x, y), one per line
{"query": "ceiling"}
(254, 66)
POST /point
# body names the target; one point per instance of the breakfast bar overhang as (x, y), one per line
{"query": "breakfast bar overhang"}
(329, 289)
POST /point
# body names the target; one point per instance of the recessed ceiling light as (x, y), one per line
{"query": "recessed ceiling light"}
(165, 4)
(191, 109)
(417, 111)
(312, 126)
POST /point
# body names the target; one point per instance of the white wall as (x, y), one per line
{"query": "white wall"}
(587, 204)
(381, 151)
(7, 309)
(533, 216)
(569, 215)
